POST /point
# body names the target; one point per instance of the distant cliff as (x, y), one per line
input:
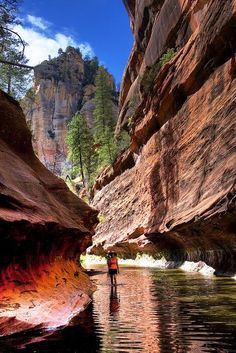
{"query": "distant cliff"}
(174, 191)
(62, 86)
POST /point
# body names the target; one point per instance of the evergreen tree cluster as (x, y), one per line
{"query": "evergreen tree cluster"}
(13, 79)
(90, 150)
(81, 148)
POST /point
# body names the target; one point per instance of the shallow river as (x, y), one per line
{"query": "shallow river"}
(150, 311)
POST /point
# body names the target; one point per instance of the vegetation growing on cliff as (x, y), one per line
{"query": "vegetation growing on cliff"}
(91, 66)
(132, 106)
(151, 72)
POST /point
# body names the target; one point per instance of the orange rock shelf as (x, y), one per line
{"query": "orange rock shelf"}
(46, 296)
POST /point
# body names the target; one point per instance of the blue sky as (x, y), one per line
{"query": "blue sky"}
(99, 27)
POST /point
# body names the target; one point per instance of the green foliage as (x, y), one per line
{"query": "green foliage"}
(90, 150)
(151, 72)
(133, 103)
(70, 173)
(101, 218)
(104, 120)
(132, 106)
(130, 121)
(122, 141)
(60, 51)
(13, 80)
(82, 259)
(8, 18)
(81, 148)
(167, 56)
(149, 77)
(90, 70)
(30, 94)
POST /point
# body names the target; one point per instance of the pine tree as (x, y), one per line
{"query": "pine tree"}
(13, 79)
(81, 148)
(104, 120)
(90, 150)
(8, 18)
(90, 70)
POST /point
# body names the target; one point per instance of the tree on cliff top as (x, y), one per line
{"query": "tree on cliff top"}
(90, 70)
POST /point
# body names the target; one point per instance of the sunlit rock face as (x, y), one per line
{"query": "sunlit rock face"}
(50, 105)
(62, 86)
(43, 229)
(179, 198)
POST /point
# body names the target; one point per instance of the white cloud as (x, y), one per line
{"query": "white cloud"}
(40, 45)
(38, 22)
(86, 49)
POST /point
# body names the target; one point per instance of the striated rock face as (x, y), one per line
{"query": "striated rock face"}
(62, 86)
(179, 198)
(43, 230)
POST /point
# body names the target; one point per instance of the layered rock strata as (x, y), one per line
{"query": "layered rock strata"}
(179, 198)
(43, 229)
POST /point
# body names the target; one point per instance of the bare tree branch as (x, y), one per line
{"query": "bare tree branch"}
(16, 64)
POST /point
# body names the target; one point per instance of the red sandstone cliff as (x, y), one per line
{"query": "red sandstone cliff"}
(43, 230)
(179, 197)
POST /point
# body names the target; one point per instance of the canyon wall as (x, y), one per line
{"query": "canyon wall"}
(43, 228)
(176, 196)
(62, 86)
(51, 104)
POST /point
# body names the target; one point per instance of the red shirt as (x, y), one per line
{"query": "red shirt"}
(113, 263)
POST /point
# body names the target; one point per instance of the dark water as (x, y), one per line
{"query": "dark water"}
(150, 311)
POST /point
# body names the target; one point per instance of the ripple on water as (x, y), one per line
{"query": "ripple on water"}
(166, 311)
(151, 311)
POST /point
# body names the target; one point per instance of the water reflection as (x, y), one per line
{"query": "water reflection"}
(114, 301)
(150, 311)
(167, 312)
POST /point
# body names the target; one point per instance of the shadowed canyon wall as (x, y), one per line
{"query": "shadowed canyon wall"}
(43, 229)
(177, 194)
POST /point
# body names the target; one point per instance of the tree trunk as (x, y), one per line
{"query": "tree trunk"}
(9, 84)
(81, 167)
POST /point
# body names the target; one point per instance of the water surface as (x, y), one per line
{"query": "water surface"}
(150, 311)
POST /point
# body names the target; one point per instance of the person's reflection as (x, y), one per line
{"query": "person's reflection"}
(114, 301)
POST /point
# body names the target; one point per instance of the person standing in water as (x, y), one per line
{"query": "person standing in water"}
(113, 267)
